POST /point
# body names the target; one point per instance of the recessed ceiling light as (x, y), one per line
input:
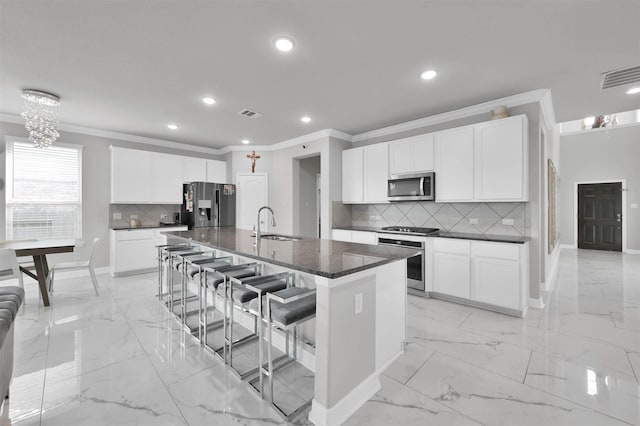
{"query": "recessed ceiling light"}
(283, 43)
(589, 121)
(208, 100)
(429, 74)
(246, 141)
(172, 126)
(633, 91)
(306, 119)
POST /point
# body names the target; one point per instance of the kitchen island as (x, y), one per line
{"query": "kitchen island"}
(360, 319)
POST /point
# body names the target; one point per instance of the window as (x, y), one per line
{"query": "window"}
(44, 191)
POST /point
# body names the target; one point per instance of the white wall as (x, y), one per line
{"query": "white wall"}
(95, 184)
(308, 169)
(600, 155)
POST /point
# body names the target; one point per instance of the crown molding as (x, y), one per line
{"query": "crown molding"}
(510, 101)
(9, 118)
(325, 133)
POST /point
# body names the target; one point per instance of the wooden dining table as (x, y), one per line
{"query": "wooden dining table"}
(39, 251)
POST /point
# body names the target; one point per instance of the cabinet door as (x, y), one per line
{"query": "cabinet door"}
(167, 179)
(376, 173)
(352, 175)
(452, 274)
(341, 235)
(496, 281)
(194, 170)
(401, 156)
(131, 176)
(454, 165)
(501, 160)
(216, 171)
(423, 154)
(363, 237)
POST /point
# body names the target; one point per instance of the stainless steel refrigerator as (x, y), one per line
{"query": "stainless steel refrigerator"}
(208, 204)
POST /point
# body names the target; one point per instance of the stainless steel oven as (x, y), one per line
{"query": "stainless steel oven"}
(411, 187)
(415, 264)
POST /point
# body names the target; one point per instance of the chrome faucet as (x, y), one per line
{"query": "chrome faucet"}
(273, 220)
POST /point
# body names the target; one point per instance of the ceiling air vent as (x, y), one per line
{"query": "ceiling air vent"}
(250, 114)
(620, 77)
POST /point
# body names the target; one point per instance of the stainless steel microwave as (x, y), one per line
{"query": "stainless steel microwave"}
(411, 187)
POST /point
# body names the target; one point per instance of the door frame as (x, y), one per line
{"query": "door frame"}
(623, 184)
(266, 191)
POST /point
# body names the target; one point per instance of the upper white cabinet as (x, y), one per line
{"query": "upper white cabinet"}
(353, 175)
(216, 171)
(167, 179)
(131, 175)
(364, 174)
(501, 160)
(483, 162)
(411, 155)
(454, 164)
(376, 173)
(195, 170)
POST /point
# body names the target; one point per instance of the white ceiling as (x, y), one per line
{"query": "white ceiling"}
(135, 66)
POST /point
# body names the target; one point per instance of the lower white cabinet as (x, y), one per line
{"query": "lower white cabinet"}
(361, 237)
(134, 250)
(489, 273)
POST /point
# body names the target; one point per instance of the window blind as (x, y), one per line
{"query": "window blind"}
(44, 192)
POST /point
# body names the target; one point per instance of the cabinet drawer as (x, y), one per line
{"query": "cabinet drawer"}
(341, 235)
(363, 237)
(496, 250)
(449, 245)
(142, 234)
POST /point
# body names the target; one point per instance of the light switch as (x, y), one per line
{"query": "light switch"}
(473, 221)
(507, 221)
(357, 303)
(117, 216)
(634, 205)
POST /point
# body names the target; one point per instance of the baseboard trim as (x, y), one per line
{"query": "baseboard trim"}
(536, 303)
(340, 412)
(568, 246)
(632, 251)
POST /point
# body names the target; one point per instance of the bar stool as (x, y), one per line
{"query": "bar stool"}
(286, 309)
(241, 293)
(212, 278)
(169, 257)
(161, 249)
(179, 266)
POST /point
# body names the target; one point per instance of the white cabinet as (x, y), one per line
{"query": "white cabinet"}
(167, 179)
(500, 276)
(501, 160)
(451, 267)
(411, 155)
(353, 175)
(134, 251)
(194, 170)
(341, 235)
(131, 175)
(454, 164)
(216, 171)
(364, 174)
(361, 237)
(376, 173)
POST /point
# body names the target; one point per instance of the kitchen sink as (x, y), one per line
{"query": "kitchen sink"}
(279, 237)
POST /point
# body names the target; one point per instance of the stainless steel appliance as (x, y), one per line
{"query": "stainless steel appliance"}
(415, 264)
(208, 204)
(411, 187)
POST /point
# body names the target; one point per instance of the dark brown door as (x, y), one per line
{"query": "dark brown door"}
(600, 216)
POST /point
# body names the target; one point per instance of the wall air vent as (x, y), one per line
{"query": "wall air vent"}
(250, 114)
(620, 77)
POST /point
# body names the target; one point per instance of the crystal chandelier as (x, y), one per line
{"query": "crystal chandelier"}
(40, 117)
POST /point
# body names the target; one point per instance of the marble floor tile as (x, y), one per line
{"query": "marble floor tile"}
(437, 310)
(414, 356)
(127, 392)
(615, 396)
(396, 404)
(25, 402)
(491, 399)
(628, 318)
(634, 360)
(493, 354)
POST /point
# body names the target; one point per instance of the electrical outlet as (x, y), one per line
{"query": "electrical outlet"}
(473, 221)
(163, 216)
(507, 221)
(133, 216)
(357, 303)
(117, 216)
(634, 205)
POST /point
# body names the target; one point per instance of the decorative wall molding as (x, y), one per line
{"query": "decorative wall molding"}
(310, 137)
(536, 303)
(543, 96)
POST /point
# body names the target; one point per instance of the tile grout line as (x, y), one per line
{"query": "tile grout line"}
(46, 369)
(420, 368)
(459, 326)
(631, 364)
(526, 371)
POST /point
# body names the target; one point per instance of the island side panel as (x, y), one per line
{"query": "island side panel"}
(391, 313)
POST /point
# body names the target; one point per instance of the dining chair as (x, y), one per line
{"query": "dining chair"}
(9, 266)
(74, 266)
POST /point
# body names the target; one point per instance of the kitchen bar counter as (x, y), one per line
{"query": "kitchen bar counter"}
(325, 258)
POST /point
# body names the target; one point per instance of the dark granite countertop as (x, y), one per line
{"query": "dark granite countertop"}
(445, 234)
(130, 228)
(326, 258)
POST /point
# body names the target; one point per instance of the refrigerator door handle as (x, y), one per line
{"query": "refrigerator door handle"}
(217, 218)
